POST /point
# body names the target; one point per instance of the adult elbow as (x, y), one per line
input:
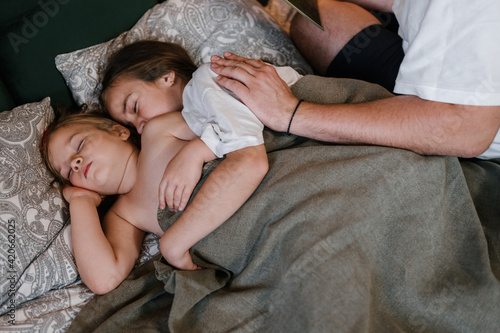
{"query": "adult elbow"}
(474, 149)
(466, 131)
(466, 146)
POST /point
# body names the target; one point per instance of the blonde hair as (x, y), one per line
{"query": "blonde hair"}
(95, 118)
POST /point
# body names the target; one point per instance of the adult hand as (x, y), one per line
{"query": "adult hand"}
(71, 193)
(259, 87)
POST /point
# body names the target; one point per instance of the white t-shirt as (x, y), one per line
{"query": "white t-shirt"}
(215, 114)
(452, 52)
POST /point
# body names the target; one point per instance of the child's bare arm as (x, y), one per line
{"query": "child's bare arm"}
(184, 170)
(104, 257)
(182, 174)
(223, 193)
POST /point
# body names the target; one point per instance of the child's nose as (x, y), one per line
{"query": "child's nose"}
(139, 126)
(76, 163)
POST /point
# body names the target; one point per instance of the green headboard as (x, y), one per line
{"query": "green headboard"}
(33, 32)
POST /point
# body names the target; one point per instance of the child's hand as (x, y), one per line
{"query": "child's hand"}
(72, 192)
(182, 262)
(179, 180)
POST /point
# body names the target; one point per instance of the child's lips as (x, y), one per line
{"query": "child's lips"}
(86, 170)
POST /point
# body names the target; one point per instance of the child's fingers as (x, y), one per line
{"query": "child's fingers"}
(161, 194)
(169, 196)
(186, 194)
(178, 197)
(184, 200)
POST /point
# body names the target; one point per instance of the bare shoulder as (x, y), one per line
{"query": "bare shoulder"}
(163, 123)
(117, 217)
(171, 124)
(132, 213)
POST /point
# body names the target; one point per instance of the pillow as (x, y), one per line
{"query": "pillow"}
(202, 27)
(34, 232)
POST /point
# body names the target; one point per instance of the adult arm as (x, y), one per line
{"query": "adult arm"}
(105, 254)
(408, 122)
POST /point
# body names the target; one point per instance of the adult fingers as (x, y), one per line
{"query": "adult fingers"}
(235, 68)
(231, 58)
(236, 86)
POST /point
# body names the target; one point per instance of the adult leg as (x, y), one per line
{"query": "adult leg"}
(354, 44)
(341, 21)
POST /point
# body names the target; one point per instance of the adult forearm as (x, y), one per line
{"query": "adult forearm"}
(405, 122)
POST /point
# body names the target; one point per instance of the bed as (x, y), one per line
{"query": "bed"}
(336, 238)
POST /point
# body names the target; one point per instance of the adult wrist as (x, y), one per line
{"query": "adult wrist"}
(293, 116)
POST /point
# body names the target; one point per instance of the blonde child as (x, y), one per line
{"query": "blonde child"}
(96, 156)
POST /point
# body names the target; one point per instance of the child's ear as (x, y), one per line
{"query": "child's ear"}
(122, 132)
(168, 79)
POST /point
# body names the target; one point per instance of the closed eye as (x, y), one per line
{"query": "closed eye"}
(80, 146)
(78, 149)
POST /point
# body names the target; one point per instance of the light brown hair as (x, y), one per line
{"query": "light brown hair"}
(146, 60)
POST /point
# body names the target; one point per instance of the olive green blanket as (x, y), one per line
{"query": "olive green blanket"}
(335, 239)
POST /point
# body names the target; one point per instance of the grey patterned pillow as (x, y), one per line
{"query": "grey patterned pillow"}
(202, 27)
(36, 251)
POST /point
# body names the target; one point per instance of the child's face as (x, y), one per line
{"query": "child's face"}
(91, 158)
(133, 102)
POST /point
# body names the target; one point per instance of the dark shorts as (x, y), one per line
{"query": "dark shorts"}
(373, 55)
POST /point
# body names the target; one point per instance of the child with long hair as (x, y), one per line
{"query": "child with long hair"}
(150, 78)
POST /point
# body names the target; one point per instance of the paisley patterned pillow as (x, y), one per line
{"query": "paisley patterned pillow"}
(202, 27)
(36, 251)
